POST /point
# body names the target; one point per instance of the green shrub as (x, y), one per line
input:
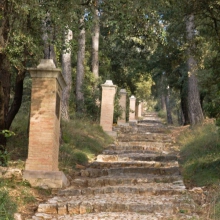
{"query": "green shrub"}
(7, 206)
(200, 155)
(82, 140)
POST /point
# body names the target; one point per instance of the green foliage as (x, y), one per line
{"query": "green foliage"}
(4, 154)
(7, 205)
(91, 91)
(17, 145)
(200, 155)
(117, 107)
(82, 140)
(4, 158)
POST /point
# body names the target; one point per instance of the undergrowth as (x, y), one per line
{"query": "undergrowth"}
(200, 163)
(82, 140)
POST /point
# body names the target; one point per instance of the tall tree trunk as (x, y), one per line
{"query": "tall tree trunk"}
(168, 108)
(5, 71)
(163, 102)
(184, 100)
(194, 106)
(95, 41)
(48, 37)
(17, 100)
(66, 69)
(2, 121)
(80, 67)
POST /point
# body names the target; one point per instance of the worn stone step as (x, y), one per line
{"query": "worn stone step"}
(122, 164)
(117, 216)
(169, 204)
(139, 145)
(133, 188)
(146, 152)
(135, 157)
(122, 180)
(144, 137)
(142, 128)
(91, 172)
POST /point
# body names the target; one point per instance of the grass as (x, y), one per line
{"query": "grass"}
(200, 163)
(200, 155)
(82, 140)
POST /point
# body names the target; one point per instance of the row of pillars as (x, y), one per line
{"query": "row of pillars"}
(107, 106)
(41, 168)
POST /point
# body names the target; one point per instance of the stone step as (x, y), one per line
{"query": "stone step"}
(117, 216)
(91, 172)
(122, 164)
(141, 128)
(126, 179)
(145, 137)
(138, 145)
(135, 157)
(134, 188)
(169, 204)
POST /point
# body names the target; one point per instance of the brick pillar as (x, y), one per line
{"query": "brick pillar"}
(42, 163)
(132, 108)
(107, 105)
(140, 109)
(122, 103)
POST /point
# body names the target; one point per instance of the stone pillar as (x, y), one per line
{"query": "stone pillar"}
(107, 105)
(41, 167)
(132, 108)
(122, 103)
(140, 109)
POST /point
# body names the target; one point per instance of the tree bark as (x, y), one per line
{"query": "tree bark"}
(80, 67)
(2, 120)
(194, 106)
(168, 108)
(5, 73)
(48, 37)
(66, 69)
(184, 100)
(95, 41)
(17, 100)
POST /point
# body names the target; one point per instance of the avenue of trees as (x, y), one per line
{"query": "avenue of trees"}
(168, 50)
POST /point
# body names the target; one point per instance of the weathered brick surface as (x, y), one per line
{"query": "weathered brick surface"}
(44, 125)
(107, 106)
(132, 108)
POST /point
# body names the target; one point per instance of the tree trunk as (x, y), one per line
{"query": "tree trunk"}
(163, 102)
(80, 67)
(66, 69)
(16, 104)
(184, 101)
(95, 41)
(5, 73)
(194, 106)
(48, 37)
(168, 108)
(2, 121)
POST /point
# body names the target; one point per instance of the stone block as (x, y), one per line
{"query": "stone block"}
(46, 179)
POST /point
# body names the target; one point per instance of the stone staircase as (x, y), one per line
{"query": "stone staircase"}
(136, 178)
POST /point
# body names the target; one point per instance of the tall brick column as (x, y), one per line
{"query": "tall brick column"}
(132, 109)
(140, 109)
(107, 105)
(41, 167)
(122, 103)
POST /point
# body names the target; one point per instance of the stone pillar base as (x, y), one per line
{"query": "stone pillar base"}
(133, 122)
(122, 123)
(46, 179)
